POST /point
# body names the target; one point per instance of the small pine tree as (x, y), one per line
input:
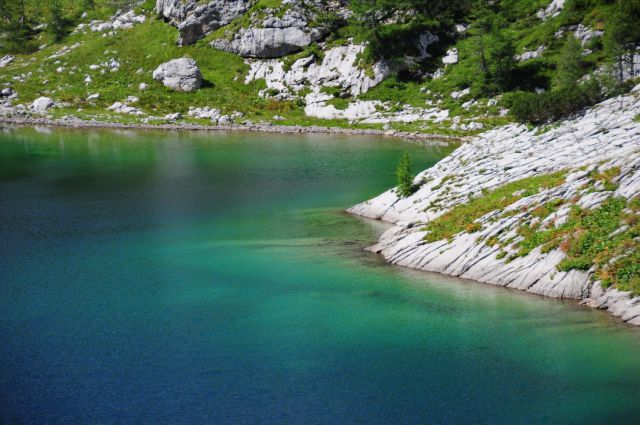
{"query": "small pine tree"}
(569, 68)
(494, 49)
(501, 62)
(622, 34)
(56, 20)
(405, 176)
(16, 29)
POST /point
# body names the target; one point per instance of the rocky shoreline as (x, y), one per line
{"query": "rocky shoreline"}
(423, 138)
(603, 141)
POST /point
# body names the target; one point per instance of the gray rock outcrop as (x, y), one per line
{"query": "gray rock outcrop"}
(276, 32)
(268, 42)
(273, 37)
(179, 74)
(195, 19)
(338, 68)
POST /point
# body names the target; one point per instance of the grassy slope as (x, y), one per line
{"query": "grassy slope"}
(147, 45)
(144, 46)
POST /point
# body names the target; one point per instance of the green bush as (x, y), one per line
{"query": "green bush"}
(553, 105)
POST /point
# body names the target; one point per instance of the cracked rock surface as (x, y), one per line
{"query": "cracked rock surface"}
(606, 136)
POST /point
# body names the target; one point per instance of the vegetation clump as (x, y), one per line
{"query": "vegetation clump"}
(604, 240)
(462, 218)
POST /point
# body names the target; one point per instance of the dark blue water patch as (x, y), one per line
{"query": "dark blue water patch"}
(181, 278)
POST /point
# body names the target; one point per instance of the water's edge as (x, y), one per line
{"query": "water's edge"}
(612, 301)
(423, 138)
(505, 155)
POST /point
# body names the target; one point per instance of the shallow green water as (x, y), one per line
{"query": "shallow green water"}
(214, 279)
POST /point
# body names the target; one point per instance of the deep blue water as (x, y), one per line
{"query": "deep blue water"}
(214, 279)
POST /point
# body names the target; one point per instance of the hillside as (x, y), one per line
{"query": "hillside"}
(453, 68)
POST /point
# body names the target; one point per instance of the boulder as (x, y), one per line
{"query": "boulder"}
(41, 104)
(339, 68)
(278, 32)
(118, 21)
(586, 34)
(204, 113)
(451, 58)
(179, 74)
(6, 60)
(531, 54)
(173, 117)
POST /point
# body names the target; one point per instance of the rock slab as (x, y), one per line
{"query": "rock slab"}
(607, 136)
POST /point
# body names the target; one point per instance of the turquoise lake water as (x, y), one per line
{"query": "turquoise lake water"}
(152, 278)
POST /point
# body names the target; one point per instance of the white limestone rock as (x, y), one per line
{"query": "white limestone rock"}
(337, 69)
(532, 54)
(605, 136)
(42, 104)
(121, 20)
(205, 113)
(451, 58)
(586, 34)
(123, 108)
(6, 60)
(553, 10)
(173, 117)
(460, 93)
(195, 19)
(268, 42)
(179, 74)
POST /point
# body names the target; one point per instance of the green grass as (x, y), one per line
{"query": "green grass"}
(590, 241)
(605, 239)
(462, 218)
(158, 39)
(223, 72)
